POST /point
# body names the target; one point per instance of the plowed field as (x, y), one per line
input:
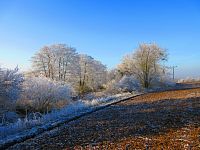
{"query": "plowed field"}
(164, 120)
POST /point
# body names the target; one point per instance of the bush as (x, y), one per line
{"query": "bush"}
(10, 86)
(43, 94)
(111, 87)
(83, 90)
(128, 84)
(163, 83)
(125, 84)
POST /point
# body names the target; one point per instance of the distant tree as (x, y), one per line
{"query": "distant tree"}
(145, 63)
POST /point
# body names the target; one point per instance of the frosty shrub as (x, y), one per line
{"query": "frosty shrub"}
(162, 83)
(128, 84)
(43, 94)
(10, 85)
(111, 87)
(125, 84)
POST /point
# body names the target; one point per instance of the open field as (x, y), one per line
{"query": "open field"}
(165, 120)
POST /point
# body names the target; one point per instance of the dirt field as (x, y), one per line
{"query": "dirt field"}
(165, 120)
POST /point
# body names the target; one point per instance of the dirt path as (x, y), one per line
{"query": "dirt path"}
(165, 120)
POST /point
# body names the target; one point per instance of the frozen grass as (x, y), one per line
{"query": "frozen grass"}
(25, 127)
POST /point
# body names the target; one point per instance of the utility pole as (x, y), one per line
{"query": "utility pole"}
(173, 71)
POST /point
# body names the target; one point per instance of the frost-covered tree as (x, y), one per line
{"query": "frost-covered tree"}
(92, 74)
(114, 74)
(56, 62)
(10, 84)
(113, 77)
(145, 64)
(43, 93)
(61, 63)
(66, 62)
(43, 62)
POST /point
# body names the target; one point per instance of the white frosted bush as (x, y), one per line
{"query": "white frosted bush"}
(128, 84)
(10, 84)
(111, 87)
(43, 92)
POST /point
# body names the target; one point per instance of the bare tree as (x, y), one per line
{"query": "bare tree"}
(66, 61)
(145, 63)
(114, 75)
(55, 61)
(43, 62)
(61, 63)
(92, 74)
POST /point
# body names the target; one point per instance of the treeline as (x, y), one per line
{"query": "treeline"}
(62, 63)
(59, 73)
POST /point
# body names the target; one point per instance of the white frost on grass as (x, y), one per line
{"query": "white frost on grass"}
(25, 128)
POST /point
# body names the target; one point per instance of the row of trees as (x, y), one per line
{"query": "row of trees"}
(62, 63)
(59, 72)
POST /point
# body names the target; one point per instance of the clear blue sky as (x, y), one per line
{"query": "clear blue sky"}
(104, 29)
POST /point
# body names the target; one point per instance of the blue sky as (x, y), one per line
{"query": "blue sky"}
(104, 29)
